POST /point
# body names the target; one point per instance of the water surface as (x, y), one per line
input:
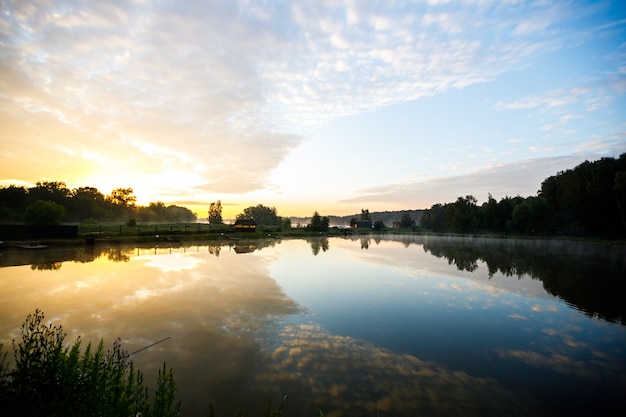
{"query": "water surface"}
(397, 326)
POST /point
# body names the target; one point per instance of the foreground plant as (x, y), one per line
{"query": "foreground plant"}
(52, 380)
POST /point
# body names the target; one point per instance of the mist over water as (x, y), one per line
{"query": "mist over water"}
(396, 325)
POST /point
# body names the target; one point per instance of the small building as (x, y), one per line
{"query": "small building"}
(398, 225)
(245, 225)
(362, 224)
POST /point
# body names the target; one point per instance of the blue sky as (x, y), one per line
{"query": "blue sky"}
(331, 106)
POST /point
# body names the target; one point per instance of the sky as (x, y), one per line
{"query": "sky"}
(328, 106)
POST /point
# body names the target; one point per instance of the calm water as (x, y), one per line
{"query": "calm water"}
(401, 326)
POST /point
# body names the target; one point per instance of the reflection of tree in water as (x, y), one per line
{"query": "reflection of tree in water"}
(215, 250)
(46, 258)
(46, 266)
(318, 244)
(592, 277)
(365, 243)
(118, 254)
(464, 258)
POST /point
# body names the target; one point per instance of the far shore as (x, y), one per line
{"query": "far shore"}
(294, 233)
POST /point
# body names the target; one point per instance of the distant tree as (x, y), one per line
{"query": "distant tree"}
(122, 197)
(532, 216)
(286, 223)
(488, 213)
(159, 212)
(462, 216)
(55, 191)
(620, 195)
(121, 203)
(13, 197)
(13, 202)
(365, 214)
(44, 213)
(585, 201)
(504, 212)
(261, 215)
(435, 218)
(319, 223)
(179, 214)
(379, 225)
(406, 221)
(215, 213)
(85, 203)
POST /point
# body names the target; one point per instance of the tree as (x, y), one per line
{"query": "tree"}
(379, 225)
(12, 202)
(435, 218)
(86, 202)
(365, 214)
(261, 215)
(532, 216)
(55, 191)
(159, 212)
(319, 223)
(46, 213)
(406, 221)
(122, 197)
(462, 216)
(619, 188)
(121, 203)
(488, 213)
(215, 213)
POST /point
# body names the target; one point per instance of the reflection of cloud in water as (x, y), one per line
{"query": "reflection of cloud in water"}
(171, 262)
(583, 362)
(342, 376)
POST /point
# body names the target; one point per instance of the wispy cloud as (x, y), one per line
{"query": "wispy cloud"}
(500, 179)
(553, 98)
(223, 92)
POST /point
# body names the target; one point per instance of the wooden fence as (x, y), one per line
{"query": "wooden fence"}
(151, 229)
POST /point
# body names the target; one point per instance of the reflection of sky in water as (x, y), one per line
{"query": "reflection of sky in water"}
(345, 331)
(409, 302)
(173, 262)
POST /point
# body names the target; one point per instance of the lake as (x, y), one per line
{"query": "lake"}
(401, 325)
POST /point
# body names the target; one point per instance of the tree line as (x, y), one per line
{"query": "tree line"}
(588, 200)
(52, 202)
(268, 216)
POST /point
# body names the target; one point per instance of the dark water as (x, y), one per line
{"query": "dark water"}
(400, 326)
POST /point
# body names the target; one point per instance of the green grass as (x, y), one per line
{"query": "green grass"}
(51, 378)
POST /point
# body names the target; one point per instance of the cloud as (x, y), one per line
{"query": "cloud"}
(551, 99)
(397, 54)
(221, 92)
(500, 179)
(165, 84)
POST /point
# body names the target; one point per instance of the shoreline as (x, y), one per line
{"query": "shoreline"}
(233, 237)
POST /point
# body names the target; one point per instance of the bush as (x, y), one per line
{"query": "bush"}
(52, 380)
(44, 213)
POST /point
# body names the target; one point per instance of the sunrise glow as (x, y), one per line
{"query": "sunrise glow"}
(327, 106)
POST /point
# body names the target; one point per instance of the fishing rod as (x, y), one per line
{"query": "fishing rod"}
(149, 346)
